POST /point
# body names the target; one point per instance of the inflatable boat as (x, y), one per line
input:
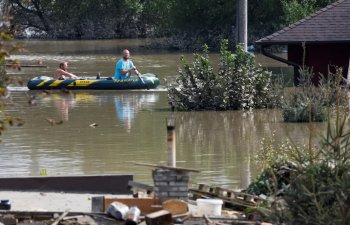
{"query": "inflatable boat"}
(146, 81)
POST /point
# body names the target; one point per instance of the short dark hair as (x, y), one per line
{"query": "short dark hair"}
(61, 64)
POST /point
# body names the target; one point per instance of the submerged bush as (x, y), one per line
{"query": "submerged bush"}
(309, 101)
(239, 83)
(299, 107)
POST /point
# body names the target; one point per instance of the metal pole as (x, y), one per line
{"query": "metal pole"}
(242, 25)
(171, 139)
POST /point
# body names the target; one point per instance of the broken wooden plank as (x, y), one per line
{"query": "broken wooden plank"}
(146, 187)
(160, 217)
(230, 197)
(228, 201)
(60, 217)
(72, 217)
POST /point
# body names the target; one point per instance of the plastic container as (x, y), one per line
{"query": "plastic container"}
(209, 207)
(133, 216)
(118, 210)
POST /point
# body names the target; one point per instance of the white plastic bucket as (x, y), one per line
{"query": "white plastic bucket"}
(209, 207)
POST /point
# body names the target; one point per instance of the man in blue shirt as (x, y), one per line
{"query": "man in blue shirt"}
(124, 66)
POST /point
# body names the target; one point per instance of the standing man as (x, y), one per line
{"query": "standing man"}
(62, 72)
(124, 66)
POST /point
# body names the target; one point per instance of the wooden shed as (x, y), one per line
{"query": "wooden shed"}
(326, 35)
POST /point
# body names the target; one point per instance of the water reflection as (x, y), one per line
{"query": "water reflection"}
(128, 105)
(221, 143)
(65, 102)
(63, 105)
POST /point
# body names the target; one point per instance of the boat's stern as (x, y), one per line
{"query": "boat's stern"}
(150, 80)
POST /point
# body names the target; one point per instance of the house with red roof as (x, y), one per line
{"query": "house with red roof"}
(326, 35)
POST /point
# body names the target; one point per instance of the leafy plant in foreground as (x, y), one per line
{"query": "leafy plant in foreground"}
(317, 190)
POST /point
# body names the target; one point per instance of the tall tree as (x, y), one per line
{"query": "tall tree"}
(78, 19)
(295, 10)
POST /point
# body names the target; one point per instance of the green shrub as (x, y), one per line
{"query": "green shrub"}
(300, 107)
(239, 83)
(309, 101)
(271, 179)
(316, 188)
(245, 84)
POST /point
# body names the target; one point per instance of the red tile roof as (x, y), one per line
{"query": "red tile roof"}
(330, 24)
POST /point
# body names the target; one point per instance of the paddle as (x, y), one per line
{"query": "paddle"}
(139, 76)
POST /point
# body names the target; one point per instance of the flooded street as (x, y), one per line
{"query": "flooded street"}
(129, 125)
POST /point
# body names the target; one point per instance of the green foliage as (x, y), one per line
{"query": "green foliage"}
(80, 18)
(309, 101)
(189, 23)
(265, 17)
(246, 85)
(6, 49)
(199, 88)
(319, 186)
(239, 83)
(295, 10)
(299, 107)
(273, 158)
(318, 195)
(316, 188)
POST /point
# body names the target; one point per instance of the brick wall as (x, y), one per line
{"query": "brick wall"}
(170, 184)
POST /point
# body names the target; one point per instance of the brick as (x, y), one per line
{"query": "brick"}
(157, 184)
(163, 194)
(178, 194)
(183, 189)
(160, 178)
(185, 184)
(168, 188)
(183, 178)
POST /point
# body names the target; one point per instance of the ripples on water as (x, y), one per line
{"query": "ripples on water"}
(130, 124)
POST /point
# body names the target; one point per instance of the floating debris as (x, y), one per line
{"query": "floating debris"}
(93, 125)
(54, 122)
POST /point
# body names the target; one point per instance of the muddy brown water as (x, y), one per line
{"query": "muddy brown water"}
(130, 124)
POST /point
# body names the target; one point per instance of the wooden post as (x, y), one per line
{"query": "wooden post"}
(242, 23)
(171, 141)
(348, 74)
(348, 84)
